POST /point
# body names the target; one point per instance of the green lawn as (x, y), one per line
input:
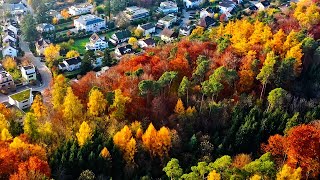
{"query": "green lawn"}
(60, 27)
(23, 95)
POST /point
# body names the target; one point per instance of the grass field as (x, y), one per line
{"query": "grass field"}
(60, 27)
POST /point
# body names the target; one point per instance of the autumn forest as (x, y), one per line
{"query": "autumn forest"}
(237, 101)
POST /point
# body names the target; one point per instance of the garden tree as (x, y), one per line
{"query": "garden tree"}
(133, 41)
(55, 20)
(276, 98)
(307, 13)
(38, 108)
(58, 91)
(5, 135)
(267, 71)
(52, 53)
(85, 133)
(107, 59)
(138, 33)
(72, 108)
(87, 175)
(88, 59)
(30, 126)
(72, 54)
(240, 160)
(121, 20)
(213, 175)
(173, 169)
(28, 28)
(41, 13)
(202, 67)
(9, 63)
(263, 166)
(97, 103)
(184, 88)
(119, 105)
(179, 109)
(65, 14)
(287, 172)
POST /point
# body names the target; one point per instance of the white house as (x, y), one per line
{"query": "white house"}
(207, 12)
(261, 5)
(70, 64)
(22, 99)
(102, 71)
(6, 80)
(90, 23)
(13, 28)
(8, 38)
(80, 9)
(147, 28)
(96, 43)
(55, 14)
(29, 73)
(15, 9)
(168, 35)
(9, 51)
(185, 30)
(192, 3)
(120, 37)
(168, 7)
(134, 13)
(41, 45)
(226, 6)
(206, 22)
(144, 43)
(45, 27)
(122, 50)
(167, 21)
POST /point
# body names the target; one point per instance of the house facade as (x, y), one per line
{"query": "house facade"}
(15, 9)
(207, 12)
(41, 45)
(168, 7)
(192, 3)
(22, 99)
(29, 73)
(70, 64)
(147, 28)
(120, 37)
(6, 80)
(45, 27)
(122, 50)
(167, 21)
(80, 9)
(90, 23)
(226, 7)
(96, 43)
(185, 30)
(134, 13)
(9, 51)
(145, 43)
(168, 35)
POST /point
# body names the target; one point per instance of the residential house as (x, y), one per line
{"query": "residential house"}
(15, 9)
(147, 28)
(185, 30)
(22, 99)
(167, 21)
(55, 14)
(168, 35)
(80, 9)
(41, 45)
(168, 7)
(120, 37)
(45, 27)
(261, 5)
(29, 73)
(14, 27)
(144, 43)
(226, 7)
(122, 50)
(192, 3)
(9, 36)
(135, 13)
(207, 12)
(90, 23)
(96, 43)
(102, 71)
(206, 22)
(9, 50)
(6, 80)
(70, 64)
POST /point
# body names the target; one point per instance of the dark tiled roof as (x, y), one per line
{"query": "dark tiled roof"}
(28, 67)
(124, 48)
(123, 34)
(168, 33)
(42, 42)
(94, 38)
(62, 65)
(206, 21)
(147, 26)
(72, 61)
(149, 41)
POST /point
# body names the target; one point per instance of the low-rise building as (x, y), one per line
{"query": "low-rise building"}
(120, 37)
(226, 7)
(147, 29)
(144, 43)
(14, 27)
(45, 27)
(41, 45)
(15, 9)
(55, 14)
(122, 50)
(261, 5)
(168, 35)
(80, 9)
(192, 3)
(135, 13)
(185, 30)
(207, 12)
(168, 7)
(70, 64)
(22, 99)
(96, 43)
(29, 73)
(9, 50)
(206, 22)
(90, 23)
(167, 21)
(6, 80)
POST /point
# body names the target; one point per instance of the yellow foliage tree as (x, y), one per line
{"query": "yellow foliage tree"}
(127, 144)
(105, 154)
(163, 142)
(38, 108)
(149, 139)
(190, 111)
(198, 31)
(84, 134)
(97, 103)
(72, 54)
(179, 109)
(132, 41)
(55, 20)
(72, 107)
(307, 13)
(139, 133)
(119, 105)
(130, 151)
(296, 53)
(52, 53)
(256, 177)
(241, 160)
(5, 135)
(138, 33)
(9, 63)
(213, 175)
(17, 143)
(58, 91)
(65, 14)
(277, 41)
(287, 172)
(291, 41)
(4, 124)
